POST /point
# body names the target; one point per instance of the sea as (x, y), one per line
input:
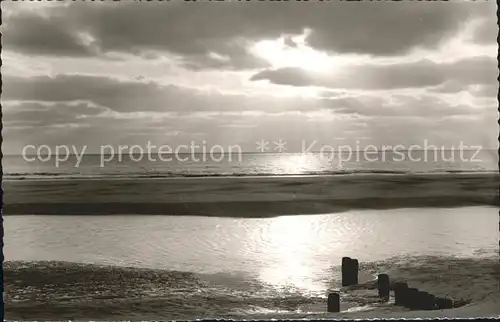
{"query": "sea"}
(261, 236)
(248, 164)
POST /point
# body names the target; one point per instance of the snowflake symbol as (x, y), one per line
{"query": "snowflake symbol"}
(280, 145)
(262, 146)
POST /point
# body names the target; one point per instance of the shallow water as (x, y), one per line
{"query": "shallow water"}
(294, 251)
(189, 267)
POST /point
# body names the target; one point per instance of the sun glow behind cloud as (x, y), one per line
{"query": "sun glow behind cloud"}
(292, 51)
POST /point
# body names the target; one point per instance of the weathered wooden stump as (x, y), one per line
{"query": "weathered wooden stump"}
(430, 303)
(400, 290)
(346, 261)
(411, 298)
(350, 269)
(355, 270)
(424, 301)
(443, 303)
(383, 286)
(333, 302)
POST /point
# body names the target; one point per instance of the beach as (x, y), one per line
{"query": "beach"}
(62, 291)
(230, 243)
(248, 196)
(246, 247)
(222, 159)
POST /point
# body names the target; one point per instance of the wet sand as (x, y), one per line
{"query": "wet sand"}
(248, 197)
(63, 290)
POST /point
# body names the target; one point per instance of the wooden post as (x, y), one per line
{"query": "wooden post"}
(400, 290)
(383, 287)
(350, 269)
(333, 302)
(355, 270)
(430, 302)
(346, 261)
(443, 303)
(411, 298)
(424, 301)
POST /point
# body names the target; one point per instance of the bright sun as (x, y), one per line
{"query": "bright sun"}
(292, 52)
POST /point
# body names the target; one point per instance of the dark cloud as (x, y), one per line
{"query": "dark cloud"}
(122, 96)
(77, 109)
(39, 35)
(195, 30)
(391, 28)
(135, 96)
(292, 76)
(477, 70)
(69, 96)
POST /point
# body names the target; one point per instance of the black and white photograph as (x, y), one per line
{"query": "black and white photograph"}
(250, 160)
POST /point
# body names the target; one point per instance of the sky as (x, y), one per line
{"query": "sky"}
(235, 73)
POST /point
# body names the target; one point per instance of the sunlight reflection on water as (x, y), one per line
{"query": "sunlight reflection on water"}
(289, 252)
